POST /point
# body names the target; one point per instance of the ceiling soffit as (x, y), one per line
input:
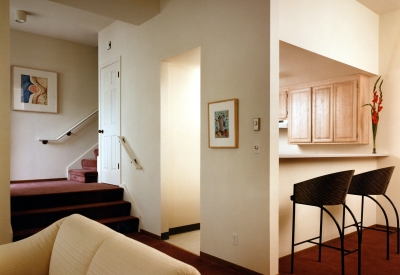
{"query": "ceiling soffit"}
(134, 12)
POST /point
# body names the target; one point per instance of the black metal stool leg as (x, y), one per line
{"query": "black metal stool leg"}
(359, 234)
(320, 235)
(387, 225)
(342, 238)
(362, 214)
(293, 227)
(397, 223)
(341, 234)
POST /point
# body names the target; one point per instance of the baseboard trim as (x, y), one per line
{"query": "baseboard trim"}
(165, 236)
(228, 264)
(184, 229)
(147, 233)
(180, 230)
(37, 180)
(381, 226)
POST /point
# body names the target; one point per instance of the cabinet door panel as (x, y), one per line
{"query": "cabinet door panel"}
(282, 104)
(322, 114)
(299, 129)
(345, 111)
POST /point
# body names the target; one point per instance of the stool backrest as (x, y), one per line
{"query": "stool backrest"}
(329, 189)
(373, 182)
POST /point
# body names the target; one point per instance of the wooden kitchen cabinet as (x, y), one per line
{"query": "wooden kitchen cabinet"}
(299, 120)
(283, 112)
(329, 111)
(322, 114)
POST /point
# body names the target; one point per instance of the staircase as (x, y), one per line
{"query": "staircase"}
(36, 205)
(88, 173)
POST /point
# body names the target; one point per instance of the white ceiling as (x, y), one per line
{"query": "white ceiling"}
(381, 6)
(79, 21)
(58, 21)
(73, 22)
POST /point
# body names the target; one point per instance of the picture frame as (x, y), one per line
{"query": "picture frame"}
(223, 124)
(34, 90)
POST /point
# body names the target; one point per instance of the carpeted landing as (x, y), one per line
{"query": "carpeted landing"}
(36, 205)
(373, 257)
(204, 266)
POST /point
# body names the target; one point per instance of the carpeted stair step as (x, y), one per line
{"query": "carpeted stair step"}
(82, 175)
(39, 218)
(36, 205)
(62, 196)
(89, 164)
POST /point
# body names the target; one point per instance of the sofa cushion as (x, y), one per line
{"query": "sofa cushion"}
(121, 255)
(76, 243)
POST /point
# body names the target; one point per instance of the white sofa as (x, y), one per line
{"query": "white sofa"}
(77, 245)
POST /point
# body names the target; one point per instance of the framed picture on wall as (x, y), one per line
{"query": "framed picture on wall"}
(223, 124)
(34, 90)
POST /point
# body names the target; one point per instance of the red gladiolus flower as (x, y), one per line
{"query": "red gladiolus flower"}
(380, 108)
(375, 100)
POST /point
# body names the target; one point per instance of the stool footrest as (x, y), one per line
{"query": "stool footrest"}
(330, 246)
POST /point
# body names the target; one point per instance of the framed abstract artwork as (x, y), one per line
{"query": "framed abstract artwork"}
(223, 124)
(34, 90)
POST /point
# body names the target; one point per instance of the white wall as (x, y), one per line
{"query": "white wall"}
(181, 146)
(343, 30)
(76, 66)
(389, 124)
(5, 225)
(236, 49)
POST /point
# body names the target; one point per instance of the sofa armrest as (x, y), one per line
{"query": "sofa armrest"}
(31, 255)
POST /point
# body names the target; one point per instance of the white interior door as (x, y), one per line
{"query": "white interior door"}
(110, 127)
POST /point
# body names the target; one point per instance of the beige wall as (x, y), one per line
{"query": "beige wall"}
(343, 30)
(180, 138)
(389, 124)
(76, 66)
(340, 40)
(292, 171)
(5, 226)
(235, 192)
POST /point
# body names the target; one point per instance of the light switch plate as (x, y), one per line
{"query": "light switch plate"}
(256, 124)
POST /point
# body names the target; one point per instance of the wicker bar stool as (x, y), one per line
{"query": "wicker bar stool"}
(329, 189)
(372, 183)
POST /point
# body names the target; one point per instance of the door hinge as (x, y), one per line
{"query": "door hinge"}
(118, 73)
(118, 166)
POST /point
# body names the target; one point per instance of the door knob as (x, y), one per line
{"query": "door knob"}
(101, 131)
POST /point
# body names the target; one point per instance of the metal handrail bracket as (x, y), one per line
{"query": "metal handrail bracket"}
(69, 131)
(129, 152)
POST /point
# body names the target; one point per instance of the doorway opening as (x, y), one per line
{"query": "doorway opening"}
(180, 146)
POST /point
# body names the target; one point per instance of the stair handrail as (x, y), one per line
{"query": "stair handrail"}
(129, 152)
(68, 132)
